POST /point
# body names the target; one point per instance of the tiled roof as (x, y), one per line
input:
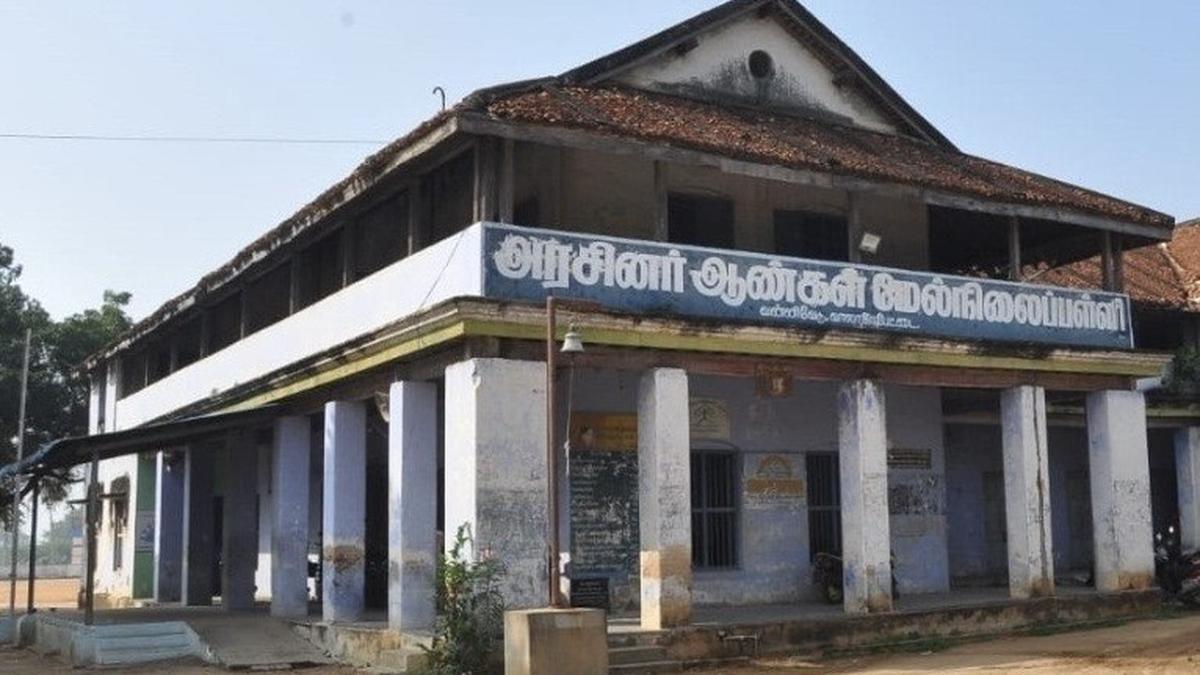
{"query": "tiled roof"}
(1165, 275)
(799, 142)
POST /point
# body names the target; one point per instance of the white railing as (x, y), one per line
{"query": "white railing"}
(450, 268)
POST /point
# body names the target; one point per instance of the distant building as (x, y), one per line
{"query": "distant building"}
(802, 339)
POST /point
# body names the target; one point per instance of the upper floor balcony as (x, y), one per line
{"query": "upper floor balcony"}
(649, 278)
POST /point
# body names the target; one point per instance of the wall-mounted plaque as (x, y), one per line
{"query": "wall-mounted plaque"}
(709, 419)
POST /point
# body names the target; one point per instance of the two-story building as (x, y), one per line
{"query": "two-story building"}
(797, 293)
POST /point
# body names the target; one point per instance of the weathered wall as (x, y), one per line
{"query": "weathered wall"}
(973, 459)
(774, 557)
(587, 191)
(718, 65)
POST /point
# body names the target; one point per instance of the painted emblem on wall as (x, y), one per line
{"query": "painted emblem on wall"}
(709, 419)
(774, 481)
(773, 381)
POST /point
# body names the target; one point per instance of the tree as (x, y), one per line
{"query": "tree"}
(58, 394)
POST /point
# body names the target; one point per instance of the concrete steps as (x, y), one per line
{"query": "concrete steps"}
(636, 653)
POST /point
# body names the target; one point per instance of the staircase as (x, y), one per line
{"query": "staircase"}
(636, 653)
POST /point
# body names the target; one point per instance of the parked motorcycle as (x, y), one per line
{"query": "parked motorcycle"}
(827, 577)
(1177, 571)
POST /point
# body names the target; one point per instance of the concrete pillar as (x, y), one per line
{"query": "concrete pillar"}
(1187, 473)
(344, 510)
(1119, 462)
(198, 526)
(290, 468)
(665, 498)
(496, 470)
(862, 460)
(1027, 492)
(412, 506)
(262, 570)
(239, 548)
(168, 528)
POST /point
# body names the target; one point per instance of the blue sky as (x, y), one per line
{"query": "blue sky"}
(1100, 93)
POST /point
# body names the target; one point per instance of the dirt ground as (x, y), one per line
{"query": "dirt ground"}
(1148, 646)
(47, 592)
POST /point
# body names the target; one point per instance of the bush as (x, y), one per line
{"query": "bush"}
(470, 624)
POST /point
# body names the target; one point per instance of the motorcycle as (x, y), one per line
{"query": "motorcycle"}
(1177, 571)
(827, 577)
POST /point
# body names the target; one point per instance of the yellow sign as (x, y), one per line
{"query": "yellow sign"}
(603, 431)
(775, 480)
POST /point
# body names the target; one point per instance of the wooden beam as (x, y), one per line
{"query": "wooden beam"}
(506, 182)
(854, 225)
(661, 212)
(734, 365)
(1014, 248)
(1108, 280)
(608, 143)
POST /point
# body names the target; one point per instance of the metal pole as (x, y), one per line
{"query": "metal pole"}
(92, 515)
(15, 516)
(33, 513)
(556, 599)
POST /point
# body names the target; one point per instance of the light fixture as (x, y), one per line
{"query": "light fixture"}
(869, 243)
(572, 341)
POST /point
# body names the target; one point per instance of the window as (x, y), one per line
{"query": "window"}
(118, 517)
(225, 323)
(714, 510)
(133, 373)
(268, 298)
(700, 221)
(449, 196)
(187, 343)
(158, 361)
(381, 236)
(321, 268)
(824, 503)
(811, 235)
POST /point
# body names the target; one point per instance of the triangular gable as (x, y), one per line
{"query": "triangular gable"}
(771, 54)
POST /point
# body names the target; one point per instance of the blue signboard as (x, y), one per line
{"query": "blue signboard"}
(687, 281)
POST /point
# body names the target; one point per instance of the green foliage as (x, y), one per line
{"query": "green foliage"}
(470, 625)
(58, 396)
(1184, 380)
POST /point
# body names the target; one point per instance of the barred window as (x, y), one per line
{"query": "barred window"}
(824, 504)
(714, 510)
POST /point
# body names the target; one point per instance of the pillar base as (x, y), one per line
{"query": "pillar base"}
(555, 642)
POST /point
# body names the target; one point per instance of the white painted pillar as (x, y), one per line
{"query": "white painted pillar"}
(1119, 461)
(496, 470)
(1027, 492)
(290, 469)
(238, 531)
(1187, 474)
(262, 569)
(665, 498)
(862, 461)
(412, 506)
(198, 527)
(168, 528)
(343, 509)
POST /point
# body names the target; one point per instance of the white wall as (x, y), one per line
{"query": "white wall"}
(719, 64)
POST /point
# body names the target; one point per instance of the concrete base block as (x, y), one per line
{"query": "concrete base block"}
(555, 642)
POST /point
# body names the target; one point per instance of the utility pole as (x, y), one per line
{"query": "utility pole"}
(14, 517)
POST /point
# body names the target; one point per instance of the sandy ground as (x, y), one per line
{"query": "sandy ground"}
(47, 592)
(1148, 646)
